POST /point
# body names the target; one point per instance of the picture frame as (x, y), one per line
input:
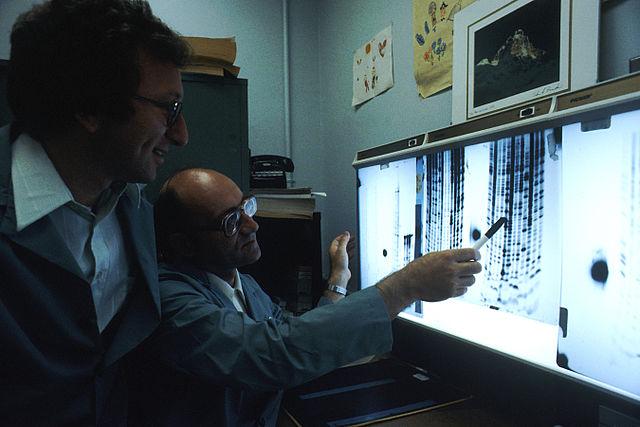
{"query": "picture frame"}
(510, 52)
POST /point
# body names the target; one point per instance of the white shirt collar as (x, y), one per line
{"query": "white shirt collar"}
(38, 189)
(228, 290)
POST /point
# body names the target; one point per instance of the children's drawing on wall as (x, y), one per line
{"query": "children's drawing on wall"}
(373, 68)
(433, 43)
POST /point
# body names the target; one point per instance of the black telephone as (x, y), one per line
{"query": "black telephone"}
(271, 163)
(268, 171)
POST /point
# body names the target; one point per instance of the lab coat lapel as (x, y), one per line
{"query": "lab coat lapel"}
(43, 239)
(142, 311)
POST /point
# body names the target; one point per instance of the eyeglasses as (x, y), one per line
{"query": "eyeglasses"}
(173, 108)
(230, 222)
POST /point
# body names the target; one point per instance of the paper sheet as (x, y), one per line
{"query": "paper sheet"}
(433, 43)
(373, 67)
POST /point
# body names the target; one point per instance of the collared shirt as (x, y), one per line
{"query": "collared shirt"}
(234, 293)
(94, 238)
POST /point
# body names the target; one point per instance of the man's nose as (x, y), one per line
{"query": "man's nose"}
(178, 133)
(250, 223)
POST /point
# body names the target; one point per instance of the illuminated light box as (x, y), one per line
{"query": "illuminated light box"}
(560, 287)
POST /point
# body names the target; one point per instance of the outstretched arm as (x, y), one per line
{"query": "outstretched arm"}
(433, 277)
(273, 352)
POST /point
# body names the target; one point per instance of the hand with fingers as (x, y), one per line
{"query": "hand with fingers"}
(341, 251)
(436, 276)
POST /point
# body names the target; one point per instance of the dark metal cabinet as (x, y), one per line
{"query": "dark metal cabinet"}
(215, 109)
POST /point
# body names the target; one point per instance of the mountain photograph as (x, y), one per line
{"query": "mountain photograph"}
(517, 53)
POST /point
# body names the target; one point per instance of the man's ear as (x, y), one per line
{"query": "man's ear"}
(181, 244)
(89, 122)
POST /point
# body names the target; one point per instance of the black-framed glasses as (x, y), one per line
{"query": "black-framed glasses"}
(173, 108)
(230, 222)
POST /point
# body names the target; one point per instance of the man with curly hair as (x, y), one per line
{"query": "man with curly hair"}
(95, 90)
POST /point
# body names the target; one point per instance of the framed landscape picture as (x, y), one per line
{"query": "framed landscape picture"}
(509, 52)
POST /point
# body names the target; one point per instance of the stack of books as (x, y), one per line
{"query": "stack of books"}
(286, 202)
(213, 56)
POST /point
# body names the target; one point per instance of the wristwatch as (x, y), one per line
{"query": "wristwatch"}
(338, 289)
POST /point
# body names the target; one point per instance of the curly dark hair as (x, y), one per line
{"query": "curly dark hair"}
(81, 56)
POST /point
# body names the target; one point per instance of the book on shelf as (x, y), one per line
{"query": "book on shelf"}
(205, 48)
(212, 69)
(274, 191)
(286, 202)
(213, 56)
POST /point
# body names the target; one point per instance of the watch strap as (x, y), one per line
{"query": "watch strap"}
(337, 289)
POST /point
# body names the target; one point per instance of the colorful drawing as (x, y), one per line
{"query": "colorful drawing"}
(433, 57)
(443, 11)
(372, 67)
(428, 57)
(432, 13)
(381, 47)
(439, 47)
(374, 77)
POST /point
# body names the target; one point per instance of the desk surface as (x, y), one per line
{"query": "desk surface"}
(405, 389)
(471, 412)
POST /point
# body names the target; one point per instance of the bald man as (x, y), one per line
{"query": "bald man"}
(224, 352)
